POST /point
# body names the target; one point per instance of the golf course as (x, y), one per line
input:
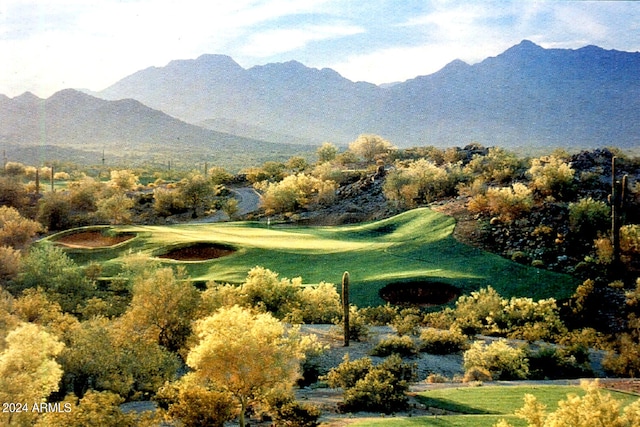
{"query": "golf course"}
(413, 252)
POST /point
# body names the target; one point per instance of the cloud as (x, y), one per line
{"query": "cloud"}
(272, 42)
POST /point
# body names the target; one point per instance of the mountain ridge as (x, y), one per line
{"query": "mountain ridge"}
(525, 95)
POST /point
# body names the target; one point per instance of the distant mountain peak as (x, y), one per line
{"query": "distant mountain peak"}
(525, 47)
(27, 96)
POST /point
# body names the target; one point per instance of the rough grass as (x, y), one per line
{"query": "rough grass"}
(485, 405)
(413, 246)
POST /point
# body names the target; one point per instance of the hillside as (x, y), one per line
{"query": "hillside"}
(81, 125)
(526, 96)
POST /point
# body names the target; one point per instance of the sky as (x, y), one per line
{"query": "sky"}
(50, 45)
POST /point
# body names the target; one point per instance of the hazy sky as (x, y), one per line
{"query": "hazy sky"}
(49, 45)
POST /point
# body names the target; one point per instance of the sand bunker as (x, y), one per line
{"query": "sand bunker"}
(422, 294)
(93, 239)
(198, 252)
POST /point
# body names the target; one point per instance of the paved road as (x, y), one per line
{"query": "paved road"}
(248, 201)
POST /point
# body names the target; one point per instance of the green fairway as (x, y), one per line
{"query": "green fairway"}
(485, 406)
(413, 246)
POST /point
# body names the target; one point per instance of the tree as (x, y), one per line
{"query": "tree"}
(245, 354)
(49, 268)
(123, 180)
(178, 298)
(326, 152)
(115, 209)
(15, 230)
(198, 193)
(54, 211)
(370, 146)
(28, 370)
(12, 192)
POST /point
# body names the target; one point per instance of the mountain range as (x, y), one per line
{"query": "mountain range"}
(72, 125)
(526, 96)
(212, 109)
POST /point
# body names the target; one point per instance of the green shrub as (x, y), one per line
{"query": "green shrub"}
(195, 406)
(348, 372)
(379, 388)
(402, 346)
(501, 360)
(559, 363)
(407, 322)
(551, 176)
(381, 315)
(588, 217)
(438, 341)
(509, 203)
(286, 411)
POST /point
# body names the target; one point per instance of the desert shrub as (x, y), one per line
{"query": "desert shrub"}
(403, 346)
(288, 412)
(14, 169)
(438, 341)
(436, 379)
(407, 322)
(585, 337)
(443, 319)
(10, 262)
(124, 180)
(477, 374)
(12, 192)
(84, 193)
(167, 201)
(370, 147)
(501, 360)
(54, 211)
(296, 191)
(559, 363)
(265, 290)
(485, 311)
(49, 268)
(497, 166)
(380, 388)
(472, 311)
(217, 296)
(595, 408)
(194, 405)
(509, 203)
(114, 209)
(347, 373)
(15, 230)
(380, 315)
(326, 152)
(625, 361)
(587, 217)
(551, 176)
(319, 304)
(95, 408)
(421, 181)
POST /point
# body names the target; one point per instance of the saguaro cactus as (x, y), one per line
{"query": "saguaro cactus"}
(616, 200)
(345, 306)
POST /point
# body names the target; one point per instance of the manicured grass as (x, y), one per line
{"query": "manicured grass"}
(416, 245)
(484, 406)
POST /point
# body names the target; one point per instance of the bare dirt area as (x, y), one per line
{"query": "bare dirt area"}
(466, 229)
(198, 252)
(93, 239)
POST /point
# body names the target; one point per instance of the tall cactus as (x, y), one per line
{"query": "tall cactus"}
(616, 200)
(345, 306)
